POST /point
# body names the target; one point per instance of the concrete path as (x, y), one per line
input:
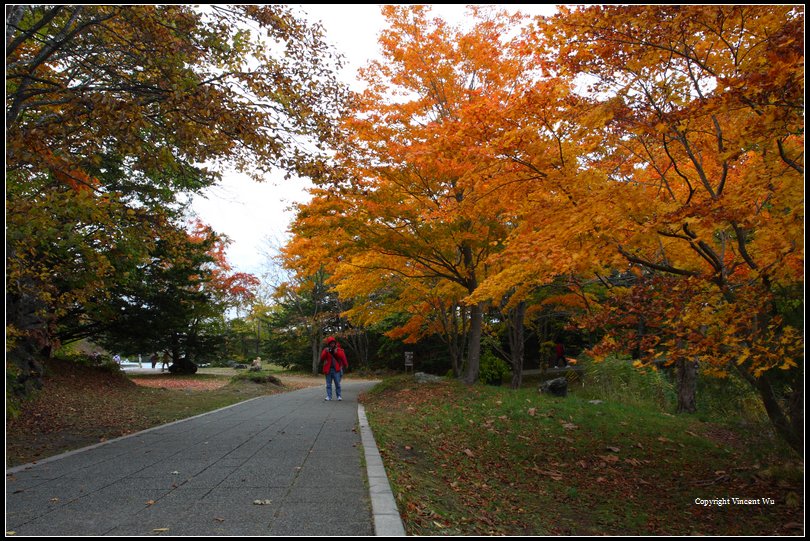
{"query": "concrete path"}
(288, 464)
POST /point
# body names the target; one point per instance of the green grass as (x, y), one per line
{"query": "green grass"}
(490, 461)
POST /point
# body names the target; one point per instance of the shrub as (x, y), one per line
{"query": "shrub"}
(618, 380)
(729, 398)
(257, 377)
(492, 370)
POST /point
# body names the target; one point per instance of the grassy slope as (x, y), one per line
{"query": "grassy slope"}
(487, 460)
(80, 406)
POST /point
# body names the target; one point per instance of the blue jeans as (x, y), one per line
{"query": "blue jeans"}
(333, 375)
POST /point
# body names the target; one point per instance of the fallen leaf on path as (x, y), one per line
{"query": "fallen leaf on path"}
(469, 453)
(150, 502)
(614, 449)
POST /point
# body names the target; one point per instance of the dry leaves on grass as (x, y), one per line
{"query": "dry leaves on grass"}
(180, 383)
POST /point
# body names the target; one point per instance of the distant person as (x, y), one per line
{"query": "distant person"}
(117, 358)
(559, 354)
(165, 365)
(334, 363)
(256, 365)
(153, 359)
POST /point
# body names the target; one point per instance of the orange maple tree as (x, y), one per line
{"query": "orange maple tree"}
(698, 177)
(418, 194)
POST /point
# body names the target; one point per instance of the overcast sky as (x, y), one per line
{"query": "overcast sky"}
(250, 213)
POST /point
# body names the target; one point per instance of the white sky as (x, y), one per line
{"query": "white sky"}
(251, 213)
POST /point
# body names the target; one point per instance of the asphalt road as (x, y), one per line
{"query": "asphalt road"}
(287, 464)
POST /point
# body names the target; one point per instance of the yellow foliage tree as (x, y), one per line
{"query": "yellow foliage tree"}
(697, 175)
(420, 194)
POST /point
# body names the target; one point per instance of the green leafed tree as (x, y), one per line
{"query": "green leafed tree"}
(113, 113)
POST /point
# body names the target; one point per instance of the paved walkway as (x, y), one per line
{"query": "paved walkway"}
(287, 464)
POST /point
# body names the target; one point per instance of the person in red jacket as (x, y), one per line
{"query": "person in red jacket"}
(334, 363)
(559, 355)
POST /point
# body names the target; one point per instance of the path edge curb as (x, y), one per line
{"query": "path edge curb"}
(387, 521)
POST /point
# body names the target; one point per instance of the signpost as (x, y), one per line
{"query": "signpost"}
(409, 360)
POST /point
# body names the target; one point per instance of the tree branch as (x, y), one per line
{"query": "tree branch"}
(663, 268)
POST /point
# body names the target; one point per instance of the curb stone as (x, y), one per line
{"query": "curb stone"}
(387, 521)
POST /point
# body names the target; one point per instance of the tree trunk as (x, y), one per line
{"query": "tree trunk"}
(315, 343)
(454, 333)
(357, 344)
(26, 352)
(788, 421)
(175, 347)
(517, 343)
(474, 345)
(686, 378)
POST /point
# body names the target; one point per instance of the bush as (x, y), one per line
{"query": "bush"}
(616, 379)
(83, 359)
(729, 398)
(257, 377)
(493, 370)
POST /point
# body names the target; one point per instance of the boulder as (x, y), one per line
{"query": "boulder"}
(422, 377)
(554, 387)
(183, 366)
